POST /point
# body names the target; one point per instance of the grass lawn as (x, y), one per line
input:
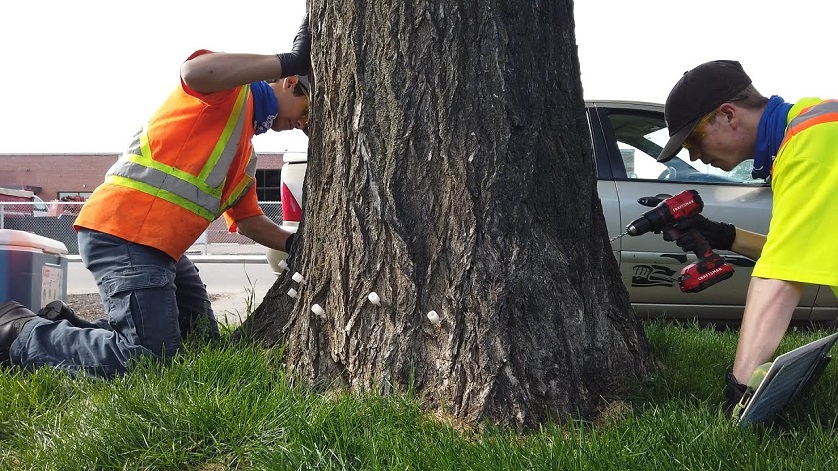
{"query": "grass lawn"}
(224, 407)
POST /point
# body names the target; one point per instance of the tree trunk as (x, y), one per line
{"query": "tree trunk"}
(450, 170)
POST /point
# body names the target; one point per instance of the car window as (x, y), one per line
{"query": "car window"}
(39, 204)
(640, 137)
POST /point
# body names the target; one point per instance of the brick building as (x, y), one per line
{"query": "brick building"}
(53, 176)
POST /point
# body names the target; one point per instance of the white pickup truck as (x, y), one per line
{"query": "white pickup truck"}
(626, 137)
(30, 203)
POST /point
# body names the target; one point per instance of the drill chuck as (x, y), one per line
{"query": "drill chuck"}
(639, 226)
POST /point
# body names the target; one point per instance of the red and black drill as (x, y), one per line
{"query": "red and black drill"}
(710, 268)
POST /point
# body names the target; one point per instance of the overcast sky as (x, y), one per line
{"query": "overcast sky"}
(83, 76)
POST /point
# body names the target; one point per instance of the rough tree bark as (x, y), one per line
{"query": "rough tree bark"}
(450, 170)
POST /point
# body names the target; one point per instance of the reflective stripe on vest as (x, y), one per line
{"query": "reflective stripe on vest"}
(824, 112)
(243, 186)
(200, 194)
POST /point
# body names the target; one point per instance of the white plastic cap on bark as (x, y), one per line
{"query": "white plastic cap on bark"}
(373, 297)
(283, 265)
(297, 277)
(316, 309)
(292, 292)
(433, 317)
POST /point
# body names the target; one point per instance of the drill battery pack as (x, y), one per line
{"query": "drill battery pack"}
(704, 273)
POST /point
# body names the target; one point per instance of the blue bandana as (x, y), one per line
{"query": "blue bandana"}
(772, 129)
(264, 106)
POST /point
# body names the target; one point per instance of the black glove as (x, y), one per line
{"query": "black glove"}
(719, 235)
(298, 61)
(289, 242)
(687, 241)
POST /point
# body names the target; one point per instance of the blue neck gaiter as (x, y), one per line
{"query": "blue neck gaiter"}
(772, 129)
(265, 107)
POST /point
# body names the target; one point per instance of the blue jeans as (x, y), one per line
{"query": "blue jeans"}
(152, 303)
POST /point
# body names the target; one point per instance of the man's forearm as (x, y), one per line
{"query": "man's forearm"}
(216, 71)
(748, 243)
(262, 230)
(768, 310)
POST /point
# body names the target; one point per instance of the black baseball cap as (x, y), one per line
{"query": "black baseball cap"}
(305, 84)
(699, 92)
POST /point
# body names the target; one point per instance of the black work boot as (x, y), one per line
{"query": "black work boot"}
(59, 311)
(734, 390)
(737, 395)
(13, 316)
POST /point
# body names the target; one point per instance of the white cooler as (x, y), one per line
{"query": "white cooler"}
(33, 269)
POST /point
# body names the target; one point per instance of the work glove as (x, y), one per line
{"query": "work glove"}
(719, 235)
(298, 61)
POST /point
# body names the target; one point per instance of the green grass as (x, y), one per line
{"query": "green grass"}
(232, 407)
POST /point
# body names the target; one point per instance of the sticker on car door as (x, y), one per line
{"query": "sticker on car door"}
(653, 275)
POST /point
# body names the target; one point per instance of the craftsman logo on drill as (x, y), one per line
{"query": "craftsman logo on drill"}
(710, 273)
(682, 206)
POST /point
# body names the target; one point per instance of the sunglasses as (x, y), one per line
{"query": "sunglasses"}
(700, 130)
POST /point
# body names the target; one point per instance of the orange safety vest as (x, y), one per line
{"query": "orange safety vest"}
(191, 162)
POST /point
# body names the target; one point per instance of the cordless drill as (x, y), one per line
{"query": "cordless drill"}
(710, 268)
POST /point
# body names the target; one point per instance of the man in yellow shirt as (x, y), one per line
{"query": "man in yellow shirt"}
(715, 112)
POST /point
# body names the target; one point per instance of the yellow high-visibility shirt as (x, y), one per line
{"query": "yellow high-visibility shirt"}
(802, 243)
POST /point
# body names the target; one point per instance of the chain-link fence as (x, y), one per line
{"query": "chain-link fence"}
(57, 223)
